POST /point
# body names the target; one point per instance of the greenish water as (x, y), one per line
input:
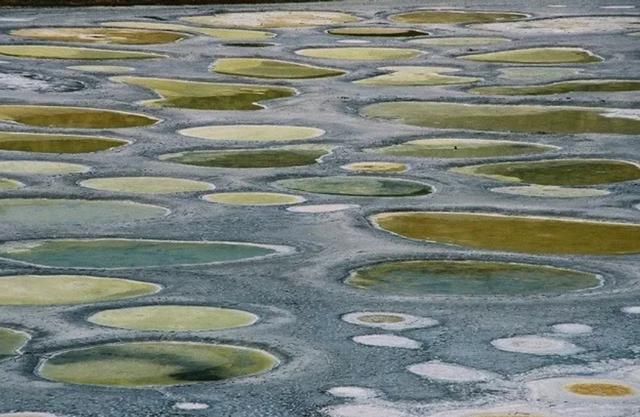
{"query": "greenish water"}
(128, 253)
(44, 290)
(71, 53)
(8, 184)
(563, 172)
(207, 95)
(54, 143)
(43, 212)
(536, 235)
(272, 68)
(359, 186)
(461, 148)
(562, 87)
(72, 117)
(507, 118)
(11, 341)
(417, 278)
(250, 158)
(146, 364)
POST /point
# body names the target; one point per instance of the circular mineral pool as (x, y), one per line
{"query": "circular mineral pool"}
(146, 185)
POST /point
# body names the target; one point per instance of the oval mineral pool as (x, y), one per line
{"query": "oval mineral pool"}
(72, 117)
(99, 35)
(566, 25)
(461, 148)
(23, 167)
(377, 31)
(254, 199)
(70, 52)
(157, 363)
(511, 233)
(358, 186)
(417, 76)
(419, 278)
(45, 212)
(459, 41)
(561, 87)
(536, 345)
(253, 133)
(550, 191)
(455, 17)
(102, 69)
(113, 253)
(206, 95)
(538, 56)
(509, 118)
(7, 184)
(147, 185)
(376, 167)
(55, 143)
(273, 19)
(46, 290)
(11, 341)
(272, 68)
(282, 157)
(217, 33)
(561, 172)
(360, 53)
(174, 318)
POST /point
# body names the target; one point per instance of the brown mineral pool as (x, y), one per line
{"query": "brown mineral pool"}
(11, 341)
(228, 35)
(254, 199)
(7, 184)
(562, 172)
(272, 68)
(280, 157)
(420, 278)
(417, 76)
(45, 290)
(601, 389)
(360, 53)
(147, 185)
(538, 56)
(561, 87)
(511, 233)
(273, 19)
(508, 118)
(70, 52)
(455, 17)
(253, 133)
(55, 143)
(174, 318)
(377, 31)
(461, 148)
(72, 117)
(99, 35)
(207, 95)
(155, 363)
